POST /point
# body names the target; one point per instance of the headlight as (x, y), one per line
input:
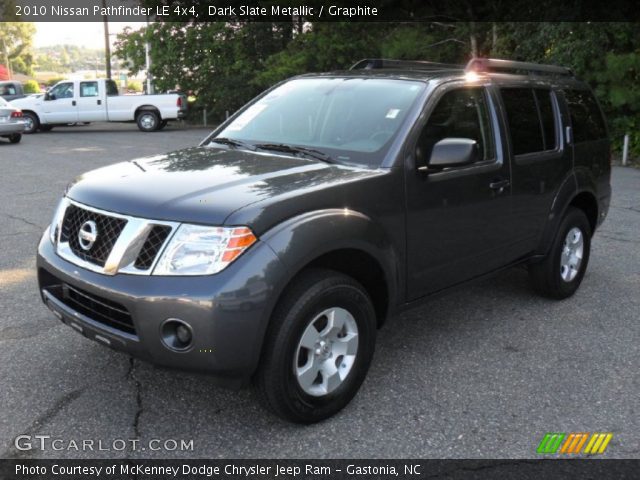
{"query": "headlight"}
(198, 250)
(56, 222)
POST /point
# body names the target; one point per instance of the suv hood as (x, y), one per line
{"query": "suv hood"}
(204, 184)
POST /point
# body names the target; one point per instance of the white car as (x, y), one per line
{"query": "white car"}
(73, 101)
(11, 124)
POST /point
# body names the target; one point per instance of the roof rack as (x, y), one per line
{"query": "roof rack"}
(383, 63)
(508, 66)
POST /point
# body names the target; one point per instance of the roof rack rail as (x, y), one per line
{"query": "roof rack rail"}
(508, 66)
(382, 63)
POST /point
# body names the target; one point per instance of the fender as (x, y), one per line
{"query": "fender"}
(304, 238)
(578, 181)
(566, 192)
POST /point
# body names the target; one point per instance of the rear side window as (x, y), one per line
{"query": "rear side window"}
(531, 118)
(586, 119)
(88, 89)
(547, 117)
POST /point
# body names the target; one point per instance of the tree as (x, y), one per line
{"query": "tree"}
(16, 39)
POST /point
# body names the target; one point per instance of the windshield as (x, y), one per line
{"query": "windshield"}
(352, 120)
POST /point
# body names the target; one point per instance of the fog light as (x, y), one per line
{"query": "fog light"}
(183, 334)
(176, 334)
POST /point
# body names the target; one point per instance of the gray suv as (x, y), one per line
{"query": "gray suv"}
(275, 250)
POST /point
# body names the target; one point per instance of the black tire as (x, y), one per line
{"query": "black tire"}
(546, 276)
(15, 138)
(148, 120)
(311, 293)
(32, 123)
(46, 128)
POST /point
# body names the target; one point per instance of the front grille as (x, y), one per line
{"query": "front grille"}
(151, 247)
(96, 308)
(108, 231)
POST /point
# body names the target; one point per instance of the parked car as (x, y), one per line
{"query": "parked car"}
(11, 90)
(275, 250)
(98, 101)
(11, 124)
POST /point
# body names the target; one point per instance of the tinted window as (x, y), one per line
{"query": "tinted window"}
(547, 117)
(460, 114)
(112, 88)
(89, 89)
(586, 119)
(7, 89)
(524, 124)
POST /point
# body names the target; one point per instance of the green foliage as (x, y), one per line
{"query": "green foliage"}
(135, 86)
(68, 58)
(31, 86)
(225, 64)
(16, 39)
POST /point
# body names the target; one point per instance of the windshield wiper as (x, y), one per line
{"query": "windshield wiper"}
(233, 143)
(309, 152)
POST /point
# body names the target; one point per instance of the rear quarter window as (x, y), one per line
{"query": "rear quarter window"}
(586, 118)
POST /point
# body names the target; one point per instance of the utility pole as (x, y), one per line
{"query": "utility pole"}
(147, 57)
(107, 44)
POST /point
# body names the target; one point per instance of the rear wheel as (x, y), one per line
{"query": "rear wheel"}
(15, 138)
(163, 124)
(31, 122)
(148, 121)
(46, 128)
(559, 275)
(319, 347)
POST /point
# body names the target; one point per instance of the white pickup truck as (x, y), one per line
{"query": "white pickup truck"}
(75, 101)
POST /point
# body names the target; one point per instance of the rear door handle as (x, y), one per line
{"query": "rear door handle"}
(73, 103)
(99, 102)
(499, 185)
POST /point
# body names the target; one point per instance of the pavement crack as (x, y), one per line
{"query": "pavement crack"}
(631, 208)
(24, 220)
(618, 239)
(42, 420)
(131, 375)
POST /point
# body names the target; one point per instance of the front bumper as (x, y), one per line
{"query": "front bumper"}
(227, 312)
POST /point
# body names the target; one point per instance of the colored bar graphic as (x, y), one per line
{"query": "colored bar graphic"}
(573, 443)
(550, 443)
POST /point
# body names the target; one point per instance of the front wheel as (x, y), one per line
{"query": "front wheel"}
(148, 121)
(559, 275)
(31, 122)
(318, 348)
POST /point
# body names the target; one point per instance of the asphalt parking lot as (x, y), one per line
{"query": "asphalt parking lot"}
(482, 373)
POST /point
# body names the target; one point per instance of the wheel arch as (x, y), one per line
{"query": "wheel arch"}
(569, 195)
(143, 108)
(345, 241)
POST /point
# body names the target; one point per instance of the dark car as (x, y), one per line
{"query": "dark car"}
(10, 90)
(275, 250)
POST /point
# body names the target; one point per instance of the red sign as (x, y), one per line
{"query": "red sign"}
(4, 73)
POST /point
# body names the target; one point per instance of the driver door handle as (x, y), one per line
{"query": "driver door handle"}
(499, 185)
(73, 103)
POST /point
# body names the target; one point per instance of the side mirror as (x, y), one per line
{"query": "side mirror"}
(452, 152)
(49, 96)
